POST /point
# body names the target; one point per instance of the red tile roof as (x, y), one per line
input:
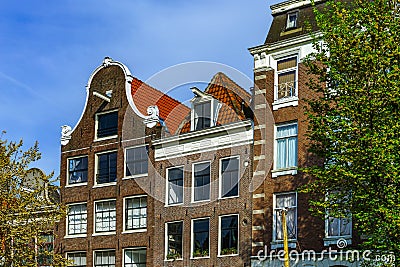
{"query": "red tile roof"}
(171, 110)
(234, 99)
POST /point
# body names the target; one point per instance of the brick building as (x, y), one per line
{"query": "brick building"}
(280, 145)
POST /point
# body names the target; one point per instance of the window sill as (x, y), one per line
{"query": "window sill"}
(75, 236)
(279, 244)
(221, 198)
(285, 102)
(287, 171)
(135, 176)
(171, 260)
(134, 231)
(105, 138)
(173, 205)
(104, 185)
(104, 233)
(199, 258)
(200, 201)
(228, 255)
(76, 185)
(332, 240)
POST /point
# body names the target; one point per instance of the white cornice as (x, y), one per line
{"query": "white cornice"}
(290, 5)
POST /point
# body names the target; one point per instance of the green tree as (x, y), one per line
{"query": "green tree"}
(354, 121)
(28, 213)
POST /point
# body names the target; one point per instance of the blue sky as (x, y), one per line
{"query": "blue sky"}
(48, 50)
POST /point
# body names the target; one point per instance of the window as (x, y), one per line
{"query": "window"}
(287, 73)
(201, 238)
(135, 213)
(45, 249)
(136, 161)
(229, 235)
(286, 146)
(175, 185)
(202, 115)
(104, 258)
(201, 181)
(77, 219)
(174, 240)
(338, 227)
(107, 124)
(107, 168)
(292, 20)
(77, 170)
(105, 216)
(286, 201)
(230, 177)
(134, 257)
(78, 258)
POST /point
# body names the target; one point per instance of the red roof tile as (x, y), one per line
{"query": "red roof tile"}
(171, 110)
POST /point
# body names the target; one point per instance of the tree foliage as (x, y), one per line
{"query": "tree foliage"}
(27, 214)
(354, 122)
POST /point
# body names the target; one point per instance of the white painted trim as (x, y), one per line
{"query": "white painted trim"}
(192, 239)
(192, 193)
(220, 176)
(260, 126)
(136, 175)
(219, 235)
(96, 165)
(259, 142)
(131, 248)
(257, 228)
(258, 211)
(96, 125)
(167, 186)
(259, 157)
(94, 217)
(262, 195)
(67, 178)
(290, 5)
(124, 231)
(257, 244)
(260, 106)
(292, 169)
(259, 92)
(259, 173)
(274, 241)
(67, 235)
(102, 250)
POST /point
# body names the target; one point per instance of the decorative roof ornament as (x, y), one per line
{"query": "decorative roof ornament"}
(66, 132)
(153, 116)
(107, 61)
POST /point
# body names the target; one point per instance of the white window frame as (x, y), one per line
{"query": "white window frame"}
(76, 252)
(67, 184)
(193, 191)
(279, 243)
(220, 177)
(125, 157)
(220, 235)
(290, 170)
(67, 234)
(296, 13)
(166, 240)
(124, 215)
(289, 101)
(96, 168)
(95, 233)
(103, 250)
(132, 248)
(192, 238)
(201, 98)
(97, 126)
(167, 186)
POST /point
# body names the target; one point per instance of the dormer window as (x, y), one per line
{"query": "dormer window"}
(202, 115)
(291, 22)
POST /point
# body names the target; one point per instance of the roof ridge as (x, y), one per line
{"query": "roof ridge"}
(222, 75)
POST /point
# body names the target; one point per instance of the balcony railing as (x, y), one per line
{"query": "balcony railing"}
(286, 90)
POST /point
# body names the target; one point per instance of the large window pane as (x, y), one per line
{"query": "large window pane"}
(105, 214)
(107, 124)
(174, 240)
(107, 168)
(202, 115)
(230, 177)
(286, 146)
(135, 213)
(77, 170)
(282, 202)
(175, 185)
(229, 235)
(201, 181)
(77, 219)
(78, 258)
(135, 258)
(104, 258)
(201, 238)
(136, 161)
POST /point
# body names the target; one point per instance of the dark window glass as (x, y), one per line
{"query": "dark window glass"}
(174, 240)
(202, 115)
(135, 213)
(77, 170)
(136, 161)
(45, 249)
(107, 168)
(229, 235)
(104, 258)
(201, 238)
(201, 181)
(175, 185)
(291, 20)
(107, 124)
(135, 258)
(230, 177)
